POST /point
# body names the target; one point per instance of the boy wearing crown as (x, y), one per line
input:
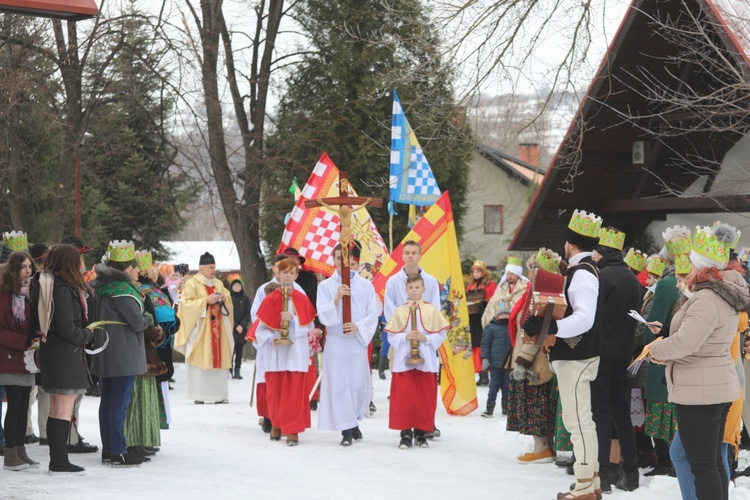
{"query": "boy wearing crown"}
(415, 331)
(205, 336)
(285, 318)
(574, 345)
(619, 293)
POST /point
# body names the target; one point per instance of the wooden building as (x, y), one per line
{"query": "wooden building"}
(669, 100)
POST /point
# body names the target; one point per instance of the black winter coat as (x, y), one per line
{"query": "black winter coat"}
(62, 356)
(619, 292)
(241, 307)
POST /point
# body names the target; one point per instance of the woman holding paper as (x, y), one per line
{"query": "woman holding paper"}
(701, 376)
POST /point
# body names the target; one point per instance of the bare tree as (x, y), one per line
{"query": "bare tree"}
(239, 193)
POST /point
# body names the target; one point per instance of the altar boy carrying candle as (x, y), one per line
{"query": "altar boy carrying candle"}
(414, 383)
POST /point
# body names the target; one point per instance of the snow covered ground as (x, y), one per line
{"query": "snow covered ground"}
(220, 452)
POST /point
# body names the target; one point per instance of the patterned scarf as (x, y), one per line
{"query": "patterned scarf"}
(19, 303)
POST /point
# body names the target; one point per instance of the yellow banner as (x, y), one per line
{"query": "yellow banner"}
(436, 234)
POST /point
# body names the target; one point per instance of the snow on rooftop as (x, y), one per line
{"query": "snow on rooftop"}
(189, 252)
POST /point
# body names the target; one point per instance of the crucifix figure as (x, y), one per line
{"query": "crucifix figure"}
(344, 211)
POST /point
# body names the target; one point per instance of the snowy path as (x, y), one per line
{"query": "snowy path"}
(221, 452)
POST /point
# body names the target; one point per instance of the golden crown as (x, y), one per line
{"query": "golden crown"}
(636, 259)
(656, 265)
(612, 238)
(121, 251)
(585, 223)
(16, 241)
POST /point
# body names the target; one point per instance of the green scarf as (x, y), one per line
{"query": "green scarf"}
(120, 289)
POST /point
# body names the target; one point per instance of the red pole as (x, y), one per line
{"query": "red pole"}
(78, 195)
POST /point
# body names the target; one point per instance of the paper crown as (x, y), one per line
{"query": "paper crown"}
(732, 244)
(585, 223)
(656, 265)
(677, 239)
(612, 238)
(547, 262)
(514, 260)
(682, 264)
(17, 241)
(143, 259)
(636, 259)
(715, 242)
(121, 251)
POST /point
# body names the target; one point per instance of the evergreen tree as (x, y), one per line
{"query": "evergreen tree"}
(339, 100)
(131, 190)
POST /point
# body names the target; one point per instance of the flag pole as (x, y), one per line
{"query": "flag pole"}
(390, 234)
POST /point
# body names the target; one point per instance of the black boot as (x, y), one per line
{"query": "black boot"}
(484, 379)
(609, 475)
(489, 411)
(346, 440)
(57, 435)
(664, 464)
(406, 439)
(266, 425)
(237, 373)
(629, 478)
(420, 439)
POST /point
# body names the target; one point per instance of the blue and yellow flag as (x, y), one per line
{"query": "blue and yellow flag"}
(436, 234)
(411, 179)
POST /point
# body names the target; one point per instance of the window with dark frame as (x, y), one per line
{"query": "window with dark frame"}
(493, 219)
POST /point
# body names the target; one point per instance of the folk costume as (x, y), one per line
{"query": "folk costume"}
(205, 337)
(260, 367)
(346, 385)
(575, 355)
(286, 365)
(414, 387)
(531, 406)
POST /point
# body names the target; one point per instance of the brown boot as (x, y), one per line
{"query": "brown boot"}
(11, 461)
(21, 450)
(292, 439)
(584, 490)
(275, 434)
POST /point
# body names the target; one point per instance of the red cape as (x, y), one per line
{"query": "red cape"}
(251, 332)
(270, 309)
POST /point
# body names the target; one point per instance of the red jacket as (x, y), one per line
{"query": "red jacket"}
(14, 336)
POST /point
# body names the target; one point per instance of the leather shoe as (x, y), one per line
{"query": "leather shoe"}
(43, 441)
(82, 447)
(31, 439)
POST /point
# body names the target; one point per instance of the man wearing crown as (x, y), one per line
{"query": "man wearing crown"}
(574, 346)
(205, 335)
(619, 293)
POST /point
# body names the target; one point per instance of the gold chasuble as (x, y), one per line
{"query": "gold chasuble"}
(205, 334)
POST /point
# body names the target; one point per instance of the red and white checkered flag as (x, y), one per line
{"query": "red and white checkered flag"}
(315, 231)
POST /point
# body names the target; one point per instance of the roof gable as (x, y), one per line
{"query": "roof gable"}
(594, 168)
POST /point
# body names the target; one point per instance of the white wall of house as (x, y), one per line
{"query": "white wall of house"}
(733, 179)
(489, 185)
